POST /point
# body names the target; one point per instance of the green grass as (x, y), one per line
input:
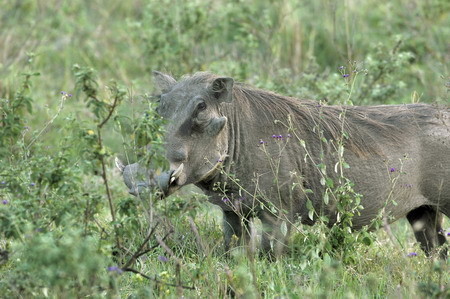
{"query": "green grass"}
(57, 237)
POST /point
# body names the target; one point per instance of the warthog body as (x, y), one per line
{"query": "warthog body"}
(259, 154)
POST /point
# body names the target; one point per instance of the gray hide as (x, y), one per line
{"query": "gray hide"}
(255, 153)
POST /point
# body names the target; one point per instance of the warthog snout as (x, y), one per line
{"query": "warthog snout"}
(140, 180)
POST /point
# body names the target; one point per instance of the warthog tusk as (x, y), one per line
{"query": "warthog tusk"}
(119, 164)
(176, 173)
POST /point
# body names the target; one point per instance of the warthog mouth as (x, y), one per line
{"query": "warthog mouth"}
(166, 183)
(170, 181)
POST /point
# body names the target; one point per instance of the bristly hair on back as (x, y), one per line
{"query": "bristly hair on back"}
(364, 135)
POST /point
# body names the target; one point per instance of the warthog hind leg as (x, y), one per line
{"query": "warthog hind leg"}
(426, 222)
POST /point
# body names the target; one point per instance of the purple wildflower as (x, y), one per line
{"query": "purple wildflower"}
(65, 94)
(412, 254)
(32, 184)
(163, 259)
(448, 234)
(274, 136)
(115, 269)
(225, 199)
(345, 75)
(392, 169)
(280, 136)
(262, 141)
(288, 135)
(220, 161)
(342, 67)
(5, 202)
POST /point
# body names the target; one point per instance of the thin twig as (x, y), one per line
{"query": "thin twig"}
(387, 229)
(108, 191)
(102, 161)
(154, 246)
(61, 106)
(156, 280)
(197, 235)
(167, 249)
(111, 110)
(138, 252)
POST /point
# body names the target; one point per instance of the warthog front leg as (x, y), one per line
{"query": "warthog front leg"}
(233, 224)
(273, 238)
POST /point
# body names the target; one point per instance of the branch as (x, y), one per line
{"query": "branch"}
(139, 251)
(167, 249)
(154, 246)
(105, 182)
(197, 235)
(111, 110)
(156, 280)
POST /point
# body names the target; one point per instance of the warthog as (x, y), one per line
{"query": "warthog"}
(259, 154)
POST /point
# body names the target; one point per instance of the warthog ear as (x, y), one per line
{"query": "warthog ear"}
(222, 89)
(216, 125)
(163, 81)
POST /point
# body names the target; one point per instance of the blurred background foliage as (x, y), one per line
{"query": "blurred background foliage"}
(64, 65)
(256, 41)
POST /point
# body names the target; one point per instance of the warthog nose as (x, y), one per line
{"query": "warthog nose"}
(177, 156)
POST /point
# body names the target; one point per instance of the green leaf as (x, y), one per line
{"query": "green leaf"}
(326, 198)
(322, 181)
(329, 183)
(366, 241)
(309, 205)
(283, 228)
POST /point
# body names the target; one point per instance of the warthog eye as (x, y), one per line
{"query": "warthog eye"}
(201, 106)
(200, 120)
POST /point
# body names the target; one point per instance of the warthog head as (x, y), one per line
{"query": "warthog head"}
(196, 142)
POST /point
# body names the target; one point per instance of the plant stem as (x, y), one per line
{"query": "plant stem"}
(102, 161)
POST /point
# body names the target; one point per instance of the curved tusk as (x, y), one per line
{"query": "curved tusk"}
(119, 164)
(177, 172)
